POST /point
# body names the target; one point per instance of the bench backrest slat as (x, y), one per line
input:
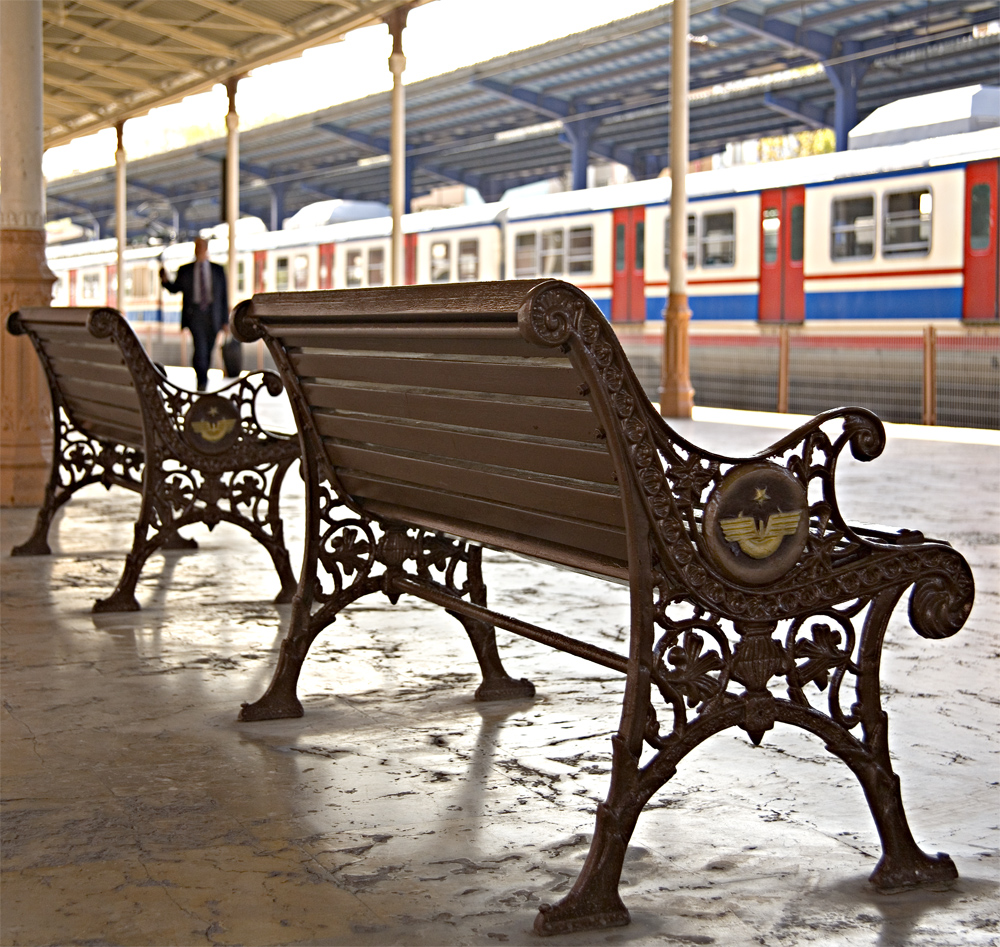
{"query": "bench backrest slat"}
(456, 422)
(537, 417)
(95, 385)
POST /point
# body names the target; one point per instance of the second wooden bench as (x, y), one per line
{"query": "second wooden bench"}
(118, 421)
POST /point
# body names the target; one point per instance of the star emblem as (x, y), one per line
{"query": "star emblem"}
(760, 495)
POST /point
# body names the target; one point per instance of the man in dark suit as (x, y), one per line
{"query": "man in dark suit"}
(204, 304)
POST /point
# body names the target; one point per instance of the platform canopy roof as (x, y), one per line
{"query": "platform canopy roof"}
(109, 60)
(758, 68)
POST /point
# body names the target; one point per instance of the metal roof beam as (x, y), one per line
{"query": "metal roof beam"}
(374, 142)
(543, 104)
(812, 42)
(806, 112)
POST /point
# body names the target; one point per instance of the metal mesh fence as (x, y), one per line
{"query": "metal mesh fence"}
(948, 374)
(968, 378)
(883, 373)
(886, 369)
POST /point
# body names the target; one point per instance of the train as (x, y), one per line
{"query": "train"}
(897, 232)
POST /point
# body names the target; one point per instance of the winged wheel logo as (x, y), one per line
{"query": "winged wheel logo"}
(760, 540)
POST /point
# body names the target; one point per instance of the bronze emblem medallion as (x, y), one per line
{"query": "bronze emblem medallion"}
(211, 424)
(756, 522)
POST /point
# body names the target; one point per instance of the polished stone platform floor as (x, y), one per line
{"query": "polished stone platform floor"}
(136, 810)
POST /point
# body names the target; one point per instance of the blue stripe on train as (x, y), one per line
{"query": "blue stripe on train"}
(707, 307)
(939, 303)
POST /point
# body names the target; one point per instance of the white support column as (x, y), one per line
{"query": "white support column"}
(121, 217)
(25, 278)
(232, 185)
(396, 21)
(676, 393)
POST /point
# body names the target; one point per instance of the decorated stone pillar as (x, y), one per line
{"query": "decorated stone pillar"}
(25, 278)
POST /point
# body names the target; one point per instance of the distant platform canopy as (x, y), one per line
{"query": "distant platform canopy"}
(758, 68)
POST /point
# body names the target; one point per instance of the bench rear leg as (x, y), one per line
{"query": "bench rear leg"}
(497, 684)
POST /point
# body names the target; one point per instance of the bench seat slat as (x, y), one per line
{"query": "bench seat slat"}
(532, 532)
(569, 421)
(557, 460)
(511, 378)
(568, 498)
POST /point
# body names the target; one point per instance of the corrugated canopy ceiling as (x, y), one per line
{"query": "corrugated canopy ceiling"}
(106, 60)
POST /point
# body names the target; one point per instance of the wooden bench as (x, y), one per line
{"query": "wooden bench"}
(436, 420)
(194, 458)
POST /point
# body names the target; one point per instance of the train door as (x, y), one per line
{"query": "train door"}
(326, 266)
(259, 271)
(409, 258)
(71, 278)
(982, 256)
(628, 286)
(111, 287)
(782, 242)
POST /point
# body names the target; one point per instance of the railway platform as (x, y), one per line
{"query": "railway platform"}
(137, 811)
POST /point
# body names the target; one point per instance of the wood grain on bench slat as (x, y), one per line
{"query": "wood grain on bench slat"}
(567, 498)
(429, 508)
(70, 368)
(513, 378)
(572, 421)
(559, 460)
(80, 351)
(488, 301)
(85, 411)
(121, 396)
(409, 339)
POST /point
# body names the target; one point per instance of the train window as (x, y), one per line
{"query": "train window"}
(771, 224)
(241, 277)
(797, 237)
(525, 258)
(852, 235)
(620, 248)
(468, 260)
(440, 262)
(691, 242)
(552, 252)
(906, 229)
(90, 286)
(581, 250)
(979, 218)
(138, 282)
(300, 277)
(281, 274)
(376, 266)
(640, 244)
(355, 268)
(718, 239)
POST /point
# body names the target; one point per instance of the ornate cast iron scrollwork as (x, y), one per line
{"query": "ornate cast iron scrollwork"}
(741, 549)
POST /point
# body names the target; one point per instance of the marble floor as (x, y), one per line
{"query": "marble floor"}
(136, 810)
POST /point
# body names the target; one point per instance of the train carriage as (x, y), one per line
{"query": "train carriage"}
(894, 232)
